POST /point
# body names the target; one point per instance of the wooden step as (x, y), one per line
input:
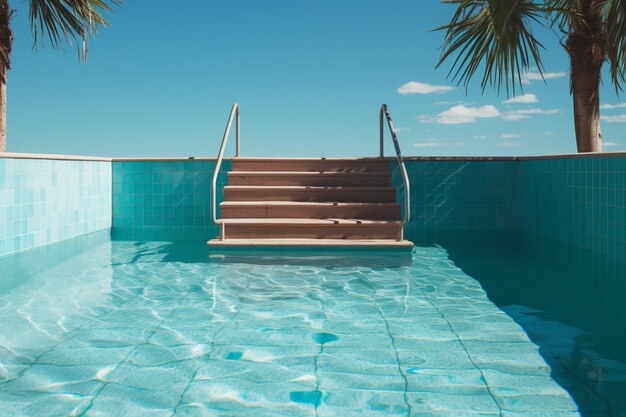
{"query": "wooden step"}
(310, 194)
(312, 229)
(310, 178)
(310, 202)
(309, 210)
(310, 164)
(313, 243)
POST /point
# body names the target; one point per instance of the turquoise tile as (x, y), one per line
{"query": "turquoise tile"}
(171, 202)
(581, 212)
(450, 197)
(45, 201)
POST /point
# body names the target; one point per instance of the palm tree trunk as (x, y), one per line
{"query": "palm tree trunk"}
(3, 112)
(6, 42)
(585, 78)
(586, 45)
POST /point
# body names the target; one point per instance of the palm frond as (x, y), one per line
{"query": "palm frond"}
(616, 42)
(562, 13)
(495, 35)
(70, 21)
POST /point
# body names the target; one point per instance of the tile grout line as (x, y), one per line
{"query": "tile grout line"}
(469, 357)
(106, 383)
(397, 356)
(58, 343)
(393, 345)
(208, 355)
(321, 350)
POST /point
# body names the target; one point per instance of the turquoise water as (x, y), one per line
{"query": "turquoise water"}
(160, 329)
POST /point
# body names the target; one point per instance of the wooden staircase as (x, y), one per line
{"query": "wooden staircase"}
(310, 202)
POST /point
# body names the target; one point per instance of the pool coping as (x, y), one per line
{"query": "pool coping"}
(54, 157)
(14, 155)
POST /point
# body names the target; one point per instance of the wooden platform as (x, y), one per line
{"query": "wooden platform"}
(313, 243)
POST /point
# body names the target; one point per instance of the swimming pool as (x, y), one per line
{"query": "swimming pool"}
(97, 327)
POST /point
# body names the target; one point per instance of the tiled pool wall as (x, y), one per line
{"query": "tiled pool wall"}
(573, 215)
(460, 200)
(164, 200)
(452, 201)
(43, 201)
(567, 210)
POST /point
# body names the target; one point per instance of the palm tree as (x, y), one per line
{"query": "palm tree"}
(495, 37)
(70, 21)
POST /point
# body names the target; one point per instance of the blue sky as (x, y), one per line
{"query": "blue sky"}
(309, 75)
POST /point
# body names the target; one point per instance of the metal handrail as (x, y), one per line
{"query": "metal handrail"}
(384, 113)
(234, 114)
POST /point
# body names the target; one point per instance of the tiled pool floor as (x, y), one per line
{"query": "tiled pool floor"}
(153, 329)
(580, 330)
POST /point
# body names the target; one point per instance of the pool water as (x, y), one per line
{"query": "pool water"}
(162, 329)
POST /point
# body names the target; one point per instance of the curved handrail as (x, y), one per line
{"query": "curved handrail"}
(384, 113)
(234, 114)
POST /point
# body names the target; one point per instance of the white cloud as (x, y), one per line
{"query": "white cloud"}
(524, 99)
(614, 119)
(533, 76)
(548, 133)
(461, 114)
(536, 76)
(515, 115)
(480, 137)
(613, 106)
(536, 111)
(611, 144)
(453, 103)
(434, 143)
(427, 144)
(402, 129)
(510, 144)
(510, 136)
(415, 87)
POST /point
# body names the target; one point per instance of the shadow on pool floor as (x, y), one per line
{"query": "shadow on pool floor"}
(581, 331)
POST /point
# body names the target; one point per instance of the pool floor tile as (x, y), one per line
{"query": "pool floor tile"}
(158, 337)
(437, 402)
(538, 402)
(360, 381)
(236, 396)
(268, 373)
(449, 381)
(118, 400)
(353, 403)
